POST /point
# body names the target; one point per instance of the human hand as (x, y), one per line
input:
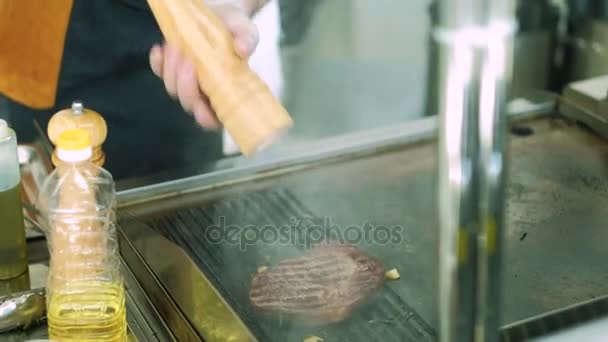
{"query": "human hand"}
(178, 72)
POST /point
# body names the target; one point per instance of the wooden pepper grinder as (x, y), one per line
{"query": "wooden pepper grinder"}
(242, 101)
(79, 117)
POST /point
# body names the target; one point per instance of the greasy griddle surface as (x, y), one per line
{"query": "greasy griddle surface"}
(557, 196)
(231, 267)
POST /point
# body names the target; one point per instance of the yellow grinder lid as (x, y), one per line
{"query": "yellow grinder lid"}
(74, 145)
(74, 140)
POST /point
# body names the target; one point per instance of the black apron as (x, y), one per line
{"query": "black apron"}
(106, 65)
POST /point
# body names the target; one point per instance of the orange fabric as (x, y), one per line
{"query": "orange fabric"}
(32, 38)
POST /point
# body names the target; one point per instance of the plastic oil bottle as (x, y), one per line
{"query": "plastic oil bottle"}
(13, 252)
(85, 291)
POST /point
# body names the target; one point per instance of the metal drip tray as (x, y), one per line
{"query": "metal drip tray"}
(556, 200)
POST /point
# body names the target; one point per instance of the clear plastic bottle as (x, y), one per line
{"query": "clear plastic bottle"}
(13, 252)
(85, 291)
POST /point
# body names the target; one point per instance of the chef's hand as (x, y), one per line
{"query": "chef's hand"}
(178, 72)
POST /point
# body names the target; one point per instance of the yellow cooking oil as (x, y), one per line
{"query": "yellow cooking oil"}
(88, 311)
(13, 251)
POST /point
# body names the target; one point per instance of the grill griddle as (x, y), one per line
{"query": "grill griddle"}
(230, 266)
(554, 239)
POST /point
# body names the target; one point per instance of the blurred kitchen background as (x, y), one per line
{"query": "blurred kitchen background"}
(350, 66)
(353, 65)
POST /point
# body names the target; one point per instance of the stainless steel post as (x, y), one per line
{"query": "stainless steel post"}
(475, 38)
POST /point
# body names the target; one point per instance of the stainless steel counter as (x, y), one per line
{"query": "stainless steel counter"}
(557, 193)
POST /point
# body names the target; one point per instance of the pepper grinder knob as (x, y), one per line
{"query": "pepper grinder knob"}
(84, 118)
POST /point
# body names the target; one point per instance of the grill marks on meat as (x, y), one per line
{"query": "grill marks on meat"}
(323, 286)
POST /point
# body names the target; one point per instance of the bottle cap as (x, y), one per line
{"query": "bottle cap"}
(74, 145)
(4, 130)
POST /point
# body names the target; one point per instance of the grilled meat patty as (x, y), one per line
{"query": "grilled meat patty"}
(323, 286)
